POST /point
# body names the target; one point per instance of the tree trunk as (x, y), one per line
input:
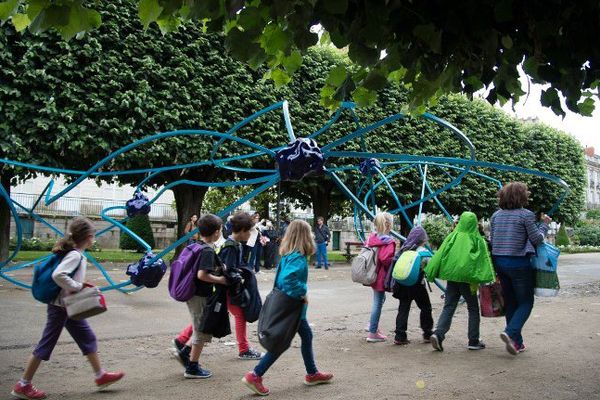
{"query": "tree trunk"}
(4, 218)
(188, 201)
(321, 199)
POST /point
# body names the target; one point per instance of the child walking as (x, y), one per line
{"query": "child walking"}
(209, 267)
(385, 243)
(463, 260)
(69, 275)
(415, 240)
(231, 254)
(296, 246)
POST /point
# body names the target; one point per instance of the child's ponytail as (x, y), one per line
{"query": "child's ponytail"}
(80, 229)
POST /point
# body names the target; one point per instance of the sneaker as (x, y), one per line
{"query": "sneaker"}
(251, 354)
(318, 378)
(27, 392)
(178, 345)
(521, 348)
(436, 343)
(401, 342)
(254, 383)
(194, 371)
(479, 345)
(427, 338)
(318, 267)
(108, 378)
(510, 345)
(181, 354)
(376, 337)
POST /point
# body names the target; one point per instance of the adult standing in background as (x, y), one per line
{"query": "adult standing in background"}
(191, 224)
(322, 237)
(514, 235)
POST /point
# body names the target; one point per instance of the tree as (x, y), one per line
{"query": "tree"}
(140, 225)
(562, 239)
(78, 101)
(432, 48)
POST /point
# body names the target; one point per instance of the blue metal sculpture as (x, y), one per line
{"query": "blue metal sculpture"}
(300, 158)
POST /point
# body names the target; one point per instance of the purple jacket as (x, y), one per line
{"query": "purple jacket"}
(515, 232)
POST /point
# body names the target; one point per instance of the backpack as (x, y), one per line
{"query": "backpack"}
(408, 266)
(182, 280)
(364, 266)
(43, 287)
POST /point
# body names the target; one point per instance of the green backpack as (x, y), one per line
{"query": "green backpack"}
(408, 266)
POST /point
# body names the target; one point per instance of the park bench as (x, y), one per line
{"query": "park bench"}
(349, 245)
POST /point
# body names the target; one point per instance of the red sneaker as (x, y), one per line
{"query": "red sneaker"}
(108, 378)
(254, 383)
(27, 392)
(318, 378)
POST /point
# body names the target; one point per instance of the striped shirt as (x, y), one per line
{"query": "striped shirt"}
(515, 232)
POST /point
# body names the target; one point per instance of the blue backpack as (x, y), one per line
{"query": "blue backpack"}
(43, 287)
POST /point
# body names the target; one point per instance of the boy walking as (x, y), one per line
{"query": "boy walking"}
(231, 255)
(209, 269)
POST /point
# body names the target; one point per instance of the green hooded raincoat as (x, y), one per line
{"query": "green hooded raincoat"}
(463, 256)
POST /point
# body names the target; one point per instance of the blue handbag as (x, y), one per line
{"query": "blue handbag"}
(546, 257)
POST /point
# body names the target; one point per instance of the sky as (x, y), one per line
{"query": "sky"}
(585, 129)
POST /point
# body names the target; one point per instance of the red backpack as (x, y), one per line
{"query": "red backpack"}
(182, 285)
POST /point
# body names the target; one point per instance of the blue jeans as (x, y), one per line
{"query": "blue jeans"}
(453, 292)
(306, 348)
(378, 300)
(255, 255)
(517, 288)
(322, 254)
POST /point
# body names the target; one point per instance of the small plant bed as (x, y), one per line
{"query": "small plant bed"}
(573, 249)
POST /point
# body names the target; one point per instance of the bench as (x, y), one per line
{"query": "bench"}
(348, 254)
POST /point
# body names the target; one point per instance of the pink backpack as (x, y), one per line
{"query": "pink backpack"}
(182, 280)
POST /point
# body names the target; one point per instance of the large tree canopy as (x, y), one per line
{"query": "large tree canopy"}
(432, 47)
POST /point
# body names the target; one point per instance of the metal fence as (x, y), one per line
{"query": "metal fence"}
(71, 206)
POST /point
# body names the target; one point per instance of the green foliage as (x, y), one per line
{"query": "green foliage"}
(33, 244)
(562, 239)
(140, 225)
(593, 214)
(452, 47)
(589, 234)
(437, 228)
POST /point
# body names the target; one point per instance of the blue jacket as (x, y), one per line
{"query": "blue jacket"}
(293, 277)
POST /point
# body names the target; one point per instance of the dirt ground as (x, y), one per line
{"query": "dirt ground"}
(562, 360)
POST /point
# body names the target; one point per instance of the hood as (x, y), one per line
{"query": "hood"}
(379, 240)
(467, 223)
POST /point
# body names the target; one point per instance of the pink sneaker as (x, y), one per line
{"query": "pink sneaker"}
(254, 383)
(108, 378)
(376, 337)
(318, 378)
(27, 392)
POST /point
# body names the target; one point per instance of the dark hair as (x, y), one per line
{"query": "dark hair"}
(208, 224)
(320, 218)
(79, 230)
(241, 222)
(513, 196)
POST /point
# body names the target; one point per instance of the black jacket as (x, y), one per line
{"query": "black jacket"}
(322, 234)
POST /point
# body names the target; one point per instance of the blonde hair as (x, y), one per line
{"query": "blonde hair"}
(80, 229)
(380, 221)
(298, 237)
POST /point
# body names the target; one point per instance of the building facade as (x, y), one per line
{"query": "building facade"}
(592, 193)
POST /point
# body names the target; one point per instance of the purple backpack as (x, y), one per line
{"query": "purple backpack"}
(182, 280)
